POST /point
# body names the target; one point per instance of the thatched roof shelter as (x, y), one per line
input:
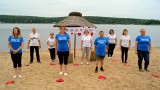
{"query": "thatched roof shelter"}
(74, 19)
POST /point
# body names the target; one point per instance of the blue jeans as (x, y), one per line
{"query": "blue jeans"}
(143, 55)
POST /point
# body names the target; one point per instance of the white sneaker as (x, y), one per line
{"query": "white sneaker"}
(65, 74)
(14, 76)
(20, 76)
(61, 73)
(87, 63)
(109, 57)
(52, 60)
(81, 63)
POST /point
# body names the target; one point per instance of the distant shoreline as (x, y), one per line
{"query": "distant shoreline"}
(27, 50)
(95, 24)
(92, 19)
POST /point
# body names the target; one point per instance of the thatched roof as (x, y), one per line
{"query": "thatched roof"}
(74, 19)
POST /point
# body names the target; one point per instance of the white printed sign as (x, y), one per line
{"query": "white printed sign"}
(79, 30)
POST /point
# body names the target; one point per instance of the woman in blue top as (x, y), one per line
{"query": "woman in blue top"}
(62, 48)
(101, 47)
(15, 44)
(143, 49)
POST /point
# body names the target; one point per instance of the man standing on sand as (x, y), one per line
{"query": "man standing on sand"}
(143, 49)
(101, 47)
(34, 43)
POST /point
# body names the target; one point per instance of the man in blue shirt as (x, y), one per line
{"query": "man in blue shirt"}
(143, 49)
(101, 46)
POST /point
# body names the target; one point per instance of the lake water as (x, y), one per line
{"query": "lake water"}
(44, 29)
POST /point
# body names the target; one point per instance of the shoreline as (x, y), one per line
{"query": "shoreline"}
(94, 23)
(117, 47)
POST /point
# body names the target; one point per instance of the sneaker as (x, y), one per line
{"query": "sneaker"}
(101, 69)
(30, 62)
(146, 70)
(87, 63)
(65, 74)
(109, 57)
(61, 73)
(14, 76)
(20, 76)
(96, 70)
(140, 70)
(38, 61)
(81, 63)
(52, 60)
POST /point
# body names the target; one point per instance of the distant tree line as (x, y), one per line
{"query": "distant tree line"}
(93, 19)
(28, 19)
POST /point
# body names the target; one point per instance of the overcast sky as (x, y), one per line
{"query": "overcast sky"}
(143, 9)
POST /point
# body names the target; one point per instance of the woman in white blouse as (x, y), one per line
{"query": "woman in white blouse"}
(51, 46)
(125, 44)
(86, 46)
(112, 43)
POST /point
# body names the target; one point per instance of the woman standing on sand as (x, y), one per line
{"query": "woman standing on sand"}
(34, 42)
(86, 46)
(112, 43)
(143, 49)
(125, 44)
(63, 47)
(15, 44)
(51, 46)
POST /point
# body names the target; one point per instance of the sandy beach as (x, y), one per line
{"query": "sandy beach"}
(118, 77)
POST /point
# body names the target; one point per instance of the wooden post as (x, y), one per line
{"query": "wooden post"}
(74, 45)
